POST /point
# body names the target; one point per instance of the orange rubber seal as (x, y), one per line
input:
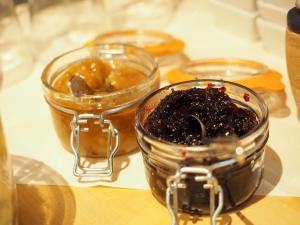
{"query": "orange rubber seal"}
(155, 42)
(251, 74)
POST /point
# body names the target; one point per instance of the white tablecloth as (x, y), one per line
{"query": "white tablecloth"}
(39, 158)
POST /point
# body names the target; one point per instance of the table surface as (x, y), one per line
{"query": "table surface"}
(66, 205)
(63, 205)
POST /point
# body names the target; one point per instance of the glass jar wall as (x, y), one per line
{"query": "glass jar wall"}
(120, 102)
(234, 166)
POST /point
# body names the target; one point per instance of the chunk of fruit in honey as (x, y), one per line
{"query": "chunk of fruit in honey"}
(92, 76)
(79, 87)
(93, 71)
(124, 77)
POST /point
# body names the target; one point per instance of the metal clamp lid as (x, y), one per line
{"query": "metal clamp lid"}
(77, 122)
(202, 175)
(76, 125)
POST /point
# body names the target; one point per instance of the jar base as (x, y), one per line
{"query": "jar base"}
(227, 209)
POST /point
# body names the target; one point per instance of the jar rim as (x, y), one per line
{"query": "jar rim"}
(259, 68)
(199, 148)
(104, 46)
(250, 73)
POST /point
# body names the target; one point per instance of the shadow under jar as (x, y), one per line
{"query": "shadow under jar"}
(97, 118)
(215, 176)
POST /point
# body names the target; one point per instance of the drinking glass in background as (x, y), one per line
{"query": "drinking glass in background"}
(88, 20)
(140, 14)
(16, 59)
(69, 22)
(49, 20)
(7, 187)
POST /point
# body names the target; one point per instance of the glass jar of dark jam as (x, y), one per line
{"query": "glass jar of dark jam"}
(207, 178)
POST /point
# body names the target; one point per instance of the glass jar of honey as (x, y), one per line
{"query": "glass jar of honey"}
(203, 145)
(93, 93)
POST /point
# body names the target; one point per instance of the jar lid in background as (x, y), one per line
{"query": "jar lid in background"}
(251, 74)
(155, 42)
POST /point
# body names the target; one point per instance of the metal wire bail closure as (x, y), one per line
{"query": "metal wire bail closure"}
(201, 175)
(76, 127)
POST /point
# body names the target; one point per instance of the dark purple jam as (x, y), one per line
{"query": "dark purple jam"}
(172, 119)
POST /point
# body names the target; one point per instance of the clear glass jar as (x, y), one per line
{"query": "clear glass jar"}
(188, 178)
(75, 22)
(140, 14)
(257, 76)
(44, 26)
(92, 20)
(166, 48)
(101, 124)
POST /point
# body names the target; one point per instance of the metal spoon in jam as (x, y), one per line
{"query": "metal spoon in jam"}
(197, 126)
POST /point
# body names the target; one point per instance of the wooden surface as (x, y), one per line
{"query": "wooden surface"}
(63, 205)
